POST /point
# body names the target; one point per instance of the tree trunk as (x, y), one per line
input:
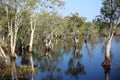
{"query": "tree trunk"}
(13, 36)
(32, 35)
(107, 60)
(31, 43)
(3, 56)
(31, 40)
(11, 39)
(12, 31)
(108, 46)
(30, 50)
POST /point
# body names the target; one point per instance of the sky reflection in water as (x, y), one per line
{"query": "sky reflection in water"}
(84, 66)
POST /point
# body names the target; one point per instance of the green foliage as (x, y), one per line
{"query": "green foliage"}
(110, 13)
(50, 22)
(74, 22)
(109, 18)
(111, 9)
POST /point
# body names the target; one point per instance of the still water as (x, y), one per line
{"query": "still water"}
(83, 63)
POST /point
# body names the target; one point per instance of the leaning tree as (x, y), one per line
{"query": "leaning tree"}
(110, 14)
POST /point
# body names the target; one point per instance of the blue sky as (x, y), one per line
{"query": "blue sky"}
(85, 8)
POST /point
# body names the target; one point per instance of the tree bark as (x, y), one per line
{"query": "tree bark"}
(13, 29)
(3, 55)
(108, 46)
(31, 43)
(32, 35)
(31, 40)
(13, 37)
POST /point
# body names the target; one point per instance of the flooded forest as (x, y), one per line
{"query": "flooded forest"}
(39, 43)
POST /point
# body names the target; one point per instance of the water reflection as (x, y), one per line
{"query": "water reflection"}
(49, 67)
(88, 50)
(107, 72)
(106, 64)
(14, 73)
(68, 62)
(75, 67)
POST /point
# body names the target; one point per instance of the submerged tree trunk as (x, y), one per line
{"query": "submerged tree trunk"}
(31, 43)
(106, 62)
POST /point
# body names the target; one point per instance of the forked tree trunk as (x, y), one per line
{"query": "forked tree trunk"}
(13, 29)
(13, 37)
(107, 60)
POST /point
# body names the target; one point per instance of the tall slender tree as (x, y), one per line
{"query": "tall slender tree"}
(110, 13)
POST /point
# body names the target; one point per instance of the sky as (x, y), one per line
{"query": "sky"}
(85, 8)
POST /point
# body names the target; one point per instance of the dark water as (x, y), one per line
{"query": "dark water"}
(84, 65)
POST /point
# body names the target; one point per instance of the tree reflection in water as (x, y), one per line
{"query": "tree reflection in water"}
(9, 72)
(65, 63)
(107, 72)
(27, 60)
(88, 50)
(14, 73)
(74, 65)
(106, 65)
(49, 67)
